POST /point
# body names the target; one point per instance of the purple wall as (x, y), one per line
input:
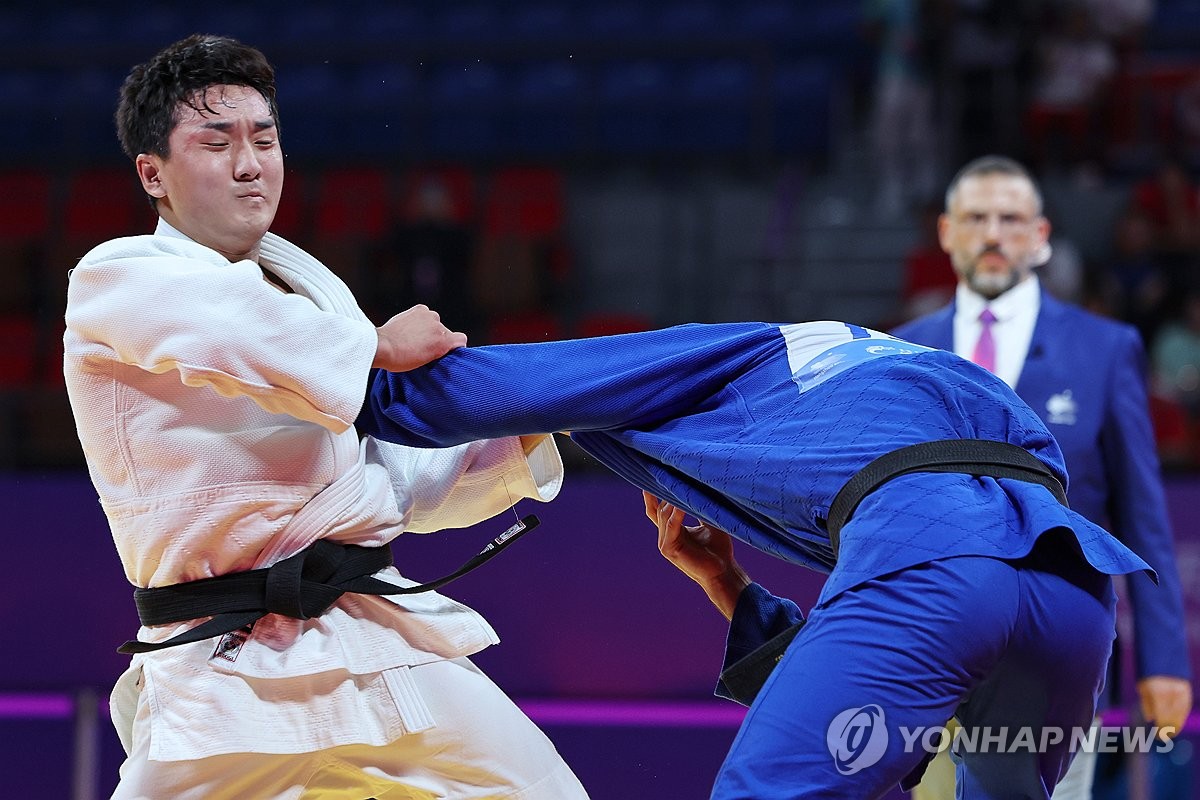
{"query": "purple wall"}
(584, 604)
(586, 608)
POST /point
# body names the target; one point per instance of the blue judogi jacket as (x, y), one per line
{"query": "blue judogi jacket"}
(1085, 376)
(754, 428)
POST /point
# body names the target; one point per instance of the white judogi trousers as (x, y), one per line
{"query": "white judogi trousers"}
(480, 746)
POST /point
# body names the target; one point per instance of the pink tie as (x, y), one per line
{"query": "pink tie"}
(985, 348)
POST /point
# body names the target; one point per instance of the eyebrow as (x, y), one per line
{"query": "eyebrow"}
(224, 125)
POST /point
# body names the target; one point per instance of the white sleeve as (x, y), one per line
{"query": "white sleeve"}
(223, 327)
(456, 487)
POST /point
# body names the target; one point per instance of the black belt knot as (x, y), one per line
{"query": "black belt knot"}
(301, 586)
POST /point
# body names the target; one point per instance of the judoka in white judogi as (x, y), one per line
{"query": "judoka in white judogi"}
(216, 415)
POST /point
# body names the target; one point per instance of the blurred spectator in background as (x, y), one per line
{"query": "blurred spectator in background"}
(902, 129)
(987, 70)
(1175, 355)
(428, 259)
(929, 278)
(521, 268)
(1063, 275)
(1187, 112)
(1170, 199)
(1075, 68)
(1122, 22)
(1135, 281)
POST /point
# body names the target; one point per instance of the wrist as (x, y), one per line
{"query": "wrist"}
(725, 589)
(383, 350)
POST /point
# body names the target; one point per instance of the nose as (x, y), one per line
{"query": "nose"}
(247, 166)
(991, 229)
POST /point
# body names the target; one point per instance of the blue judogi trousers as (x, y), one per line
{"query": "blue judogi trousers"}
(983, 639)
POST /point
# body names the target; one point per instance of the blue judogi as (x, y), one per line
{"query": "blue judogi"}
(754, 428)
(1085, 376)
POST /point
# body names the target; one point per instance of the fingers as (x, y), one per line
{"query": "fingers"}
(414, 337)
(1166, 701)
(651, 506)
(669, 521)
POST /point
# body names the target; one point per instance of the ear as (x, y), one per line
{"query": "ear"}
(1043, 229)
(149, 169)
(943, 231)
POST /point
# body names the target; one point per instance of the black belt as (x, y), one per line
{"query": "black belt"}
(977, 457)
(302, 586)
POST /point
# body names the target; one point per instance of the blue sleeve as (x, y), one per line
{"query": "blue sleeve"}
(1138, 514)
(758, 617)
(602, 383)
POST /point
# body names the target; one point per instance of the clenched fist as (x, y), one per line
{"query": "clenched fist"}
(412, 338)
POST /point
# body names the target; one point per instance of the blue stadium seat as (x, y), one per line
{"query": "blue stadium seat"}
(137, 24)
(691, 21)
(393, 24)
(34, 131)
(548, 103)
(467, 23)
(86, 100)
(16, 26)
(635, 97)
(77, 25)
(313, 26)
(832, 31)
(1175, 27)
(549, 81)
(249, 24)
(768, 20)
(616, 22)
(538, 22)
(717, 105)
(802, 92)
(465, 105)
(311, 97)
(387, 102)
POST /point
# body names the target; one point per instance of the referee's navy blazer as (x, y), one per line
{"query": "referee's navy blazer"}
(1085, 377)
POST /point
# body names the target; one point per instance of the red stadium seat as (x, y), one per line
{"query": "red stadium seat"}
(526, 202)
(352, 217)
(103, 204)
(456, 188)
(25, 211)
(352, 204)
(609, 323)
(532, 326)
(292, 217)
(18, 357)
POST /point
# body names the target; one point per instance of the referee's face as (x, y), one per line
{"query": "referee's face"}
(993, 232)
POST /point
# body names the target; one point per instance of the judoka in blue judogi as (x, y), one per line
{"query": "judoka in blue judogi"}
(950, 594)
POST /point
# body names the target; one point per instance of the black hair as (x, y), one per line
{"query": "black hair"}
(151, 94)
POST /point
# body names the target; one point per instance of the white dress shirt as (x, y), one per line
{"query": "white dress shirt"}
(1016, 314)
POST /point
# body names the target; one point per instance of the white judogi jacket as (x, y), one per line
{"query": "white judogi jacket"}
(216, 415)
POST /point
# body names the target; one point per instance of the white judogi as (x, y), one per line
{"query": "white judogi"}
(216, 415)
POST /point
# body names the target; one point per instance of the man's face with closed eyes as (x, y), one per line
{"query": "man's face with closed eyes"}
(221, 183)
